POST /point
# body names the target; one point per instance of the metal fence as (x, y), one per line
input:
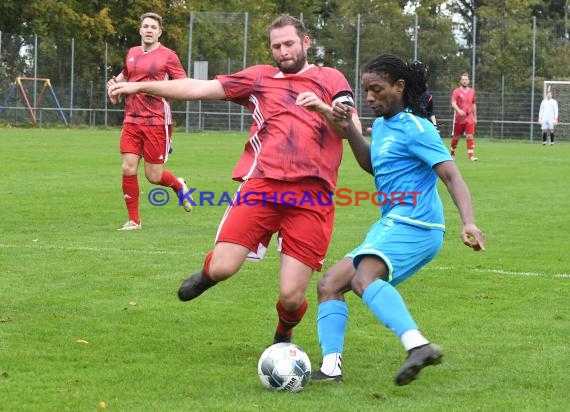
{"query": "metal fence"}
(508, 99)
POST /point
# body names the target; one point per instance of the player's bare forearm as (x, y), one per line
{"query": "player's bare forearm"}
(180, 89)
(470, 234)
(312, 102)
(462, 199)
(450, 176)
(328, 114)
(458, 109)
(360, 147)
(112, 81)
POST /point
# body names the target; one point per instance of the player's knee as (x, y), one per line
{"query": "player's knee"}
(291, 300)
(361, 281)
(154, 178)
(128, 169)
(222, 269)
(326, 288)
(358, 284)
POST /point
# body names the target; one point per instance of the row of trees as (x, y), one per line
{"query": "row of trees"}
(503, 35)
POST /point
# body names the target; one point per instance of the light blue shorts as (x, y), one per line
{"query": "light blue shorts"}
(404, 248)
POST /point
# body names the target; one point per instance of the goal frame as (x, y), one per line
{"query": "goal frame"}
(549, 83)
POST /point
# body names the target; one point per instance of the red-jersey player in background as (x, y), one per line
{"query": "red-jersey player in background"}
(464, 105)
(294, 147)
(147, 126)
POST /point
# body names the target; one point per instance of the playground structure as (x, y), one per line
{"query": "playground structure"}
(32, 109)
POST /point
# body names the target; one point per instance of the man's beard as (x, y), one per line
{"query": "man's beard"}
(295, 68)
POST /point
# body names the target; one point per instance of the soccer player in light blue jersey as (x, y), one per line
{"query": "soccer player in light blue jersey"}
(406, 157)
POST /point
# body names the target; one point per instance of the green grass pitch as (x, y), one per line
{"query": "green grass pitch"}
(67, 275)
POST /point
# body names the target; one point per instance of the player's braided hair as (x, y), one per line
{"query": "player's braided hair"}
(415, 74)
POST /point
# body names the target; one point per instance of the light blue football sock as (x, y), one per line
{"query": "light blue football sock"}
(388, 306)
(332, 318)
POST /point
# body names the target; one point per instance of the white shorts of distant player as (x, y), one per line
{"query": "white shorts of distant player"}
(547, 124)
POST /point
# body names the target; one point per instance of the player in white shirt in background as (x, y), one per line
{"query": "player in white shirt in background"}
(548, 117)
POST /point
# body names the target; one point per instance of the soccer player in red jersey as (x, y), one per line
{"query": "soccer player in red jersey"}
(294, 147)
(463, 101)
(147, 125)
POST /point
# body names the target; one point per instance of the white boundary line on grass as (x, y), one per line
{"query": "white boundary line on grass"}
(90, 249)
(169, 252)
(509, 272)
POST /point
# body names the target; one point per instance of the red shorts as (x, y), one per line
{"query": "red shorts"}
(150, 142)
(302, 213)
(460, 128)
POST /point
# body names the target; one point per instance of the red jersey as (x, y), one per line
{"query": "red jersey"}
(287, 142)
(158, 64)
(465, 99)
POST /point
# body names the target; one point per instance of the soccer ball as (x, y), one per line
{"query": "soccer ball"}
(284, 367)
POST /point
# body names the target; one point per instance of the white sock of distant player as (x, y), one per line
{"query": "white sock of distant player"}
(332, 363)
(412, 339)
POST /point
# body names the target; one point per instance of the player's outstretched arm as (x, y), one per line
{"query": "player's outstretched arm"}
(181, 89)
(470, 234)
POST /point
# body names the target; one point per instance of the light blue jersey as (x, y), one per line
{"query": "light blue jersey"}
(403, 151)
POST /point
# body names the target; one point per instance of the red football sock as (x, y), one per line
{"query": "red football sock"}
(206, 267)
(454, 141)
(131, 196)
(288, 320)
(169, 180)
(470, 148)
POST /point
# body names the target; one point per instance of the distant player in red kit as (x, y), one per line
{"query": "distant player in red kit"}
(147, 126)
(295, 146)
(463, 101)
